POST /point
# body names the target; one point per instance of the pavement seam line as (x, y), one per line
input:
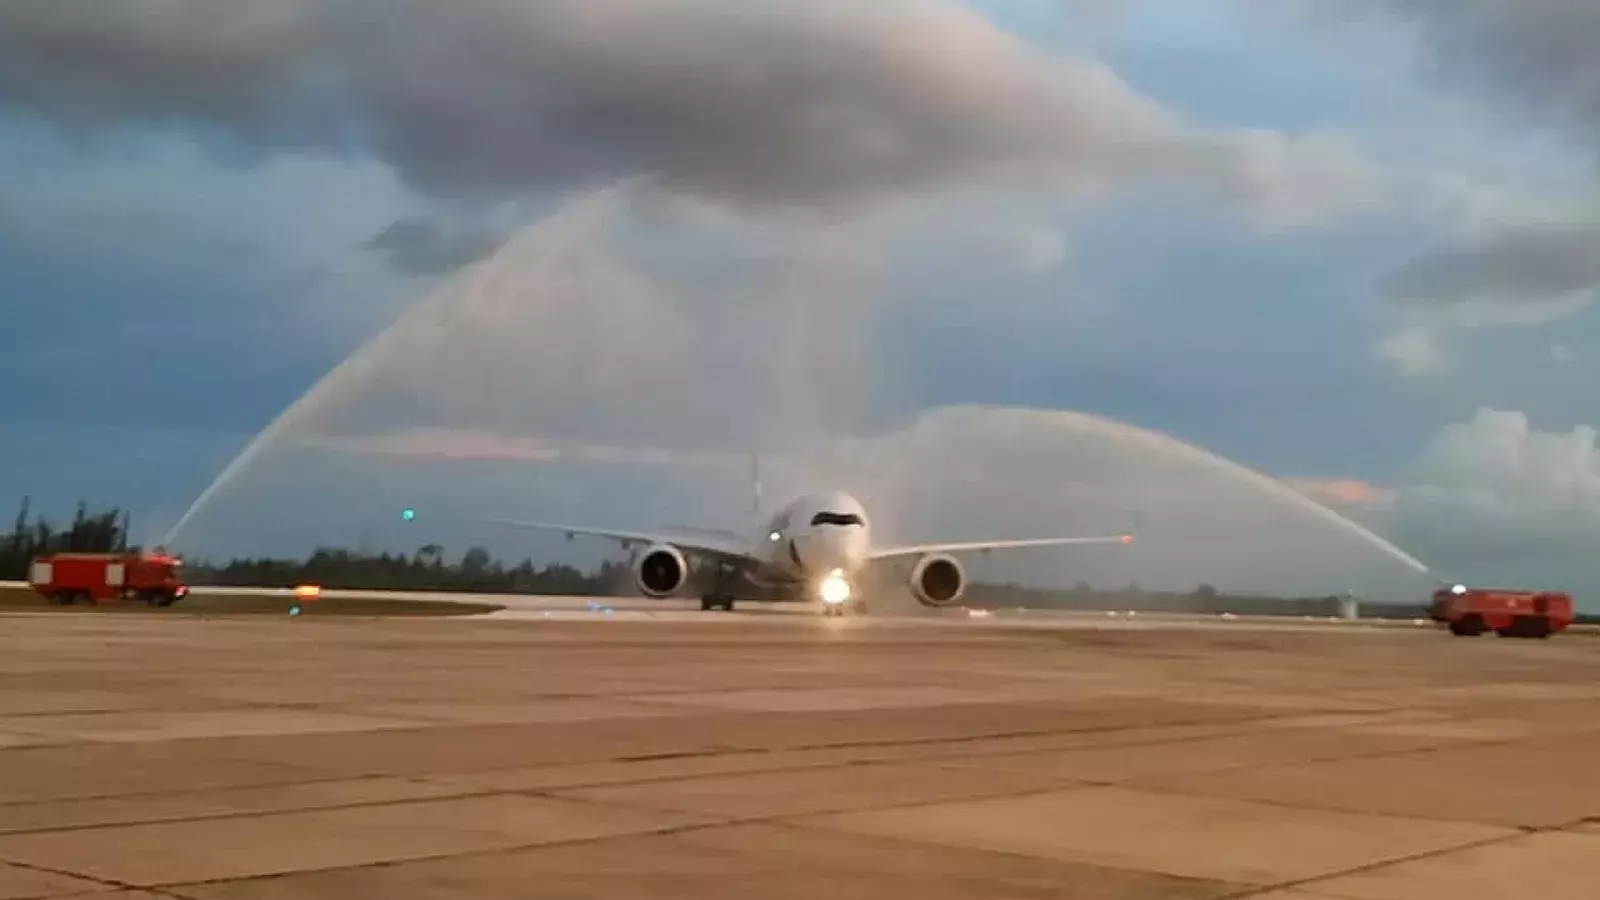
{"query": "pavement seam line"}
(111, 883)
(260, 814)
(798, 824)
(443, 780)
(1252, 891)
(698, 753)
(423, 727)
(1172, 791)
(717, 821)
(1372, 867)
(182, 792)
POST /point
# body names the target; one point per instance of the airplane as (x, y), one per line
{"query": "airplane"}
(815, 548)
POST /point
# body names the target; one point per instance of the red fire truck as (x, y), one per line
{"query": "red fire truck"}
(67, 578)
(1508, 613)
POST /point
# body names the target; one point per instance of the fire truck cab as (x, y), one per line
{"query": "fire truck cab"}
(1470, 612)
(66, 578)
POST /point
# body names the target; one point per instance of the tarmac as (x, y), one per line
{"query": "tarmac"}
(789, 756)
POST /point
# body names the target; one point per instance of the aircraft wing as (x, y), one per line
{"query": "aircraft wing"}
(920, 549)
(723, 545)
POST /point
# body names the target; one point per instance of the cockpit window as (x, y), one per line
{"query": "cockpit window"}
(831, 518)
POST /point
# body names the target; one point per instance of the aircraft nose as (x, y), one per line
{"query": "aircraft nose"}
(826, 550)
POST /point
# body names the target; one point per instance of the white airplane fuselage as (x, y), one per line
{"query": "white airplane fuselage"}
(811, 538)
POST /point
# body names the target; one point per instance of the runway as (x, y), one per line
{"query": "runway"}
(674, 754)
(896, 612)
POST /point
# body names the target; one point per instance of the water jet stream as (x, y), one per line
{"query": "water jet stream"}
(1157, 440)
(587, 336)
(566, 225)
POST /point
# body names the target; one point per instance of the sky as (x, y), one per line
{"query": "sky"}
(576, 259)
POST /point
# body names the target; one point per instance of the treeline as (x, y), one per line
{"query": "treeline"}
(106, 531)
(426, 570)
(31, 536)
(1203, 600)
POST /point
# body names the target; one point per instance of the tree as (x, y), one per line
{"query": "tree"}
(475, 562)
(31, 536)
(75, 538)
(18, 531)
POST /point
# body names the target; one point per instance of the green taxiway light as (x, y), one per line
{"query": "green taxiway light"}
(408, 514)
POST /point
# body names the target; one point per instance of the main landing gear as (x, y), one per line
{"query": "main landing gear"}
(721, 596)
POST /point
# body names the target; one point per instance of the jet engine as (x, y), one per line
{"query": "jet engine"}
(938, 580)
(660, 571)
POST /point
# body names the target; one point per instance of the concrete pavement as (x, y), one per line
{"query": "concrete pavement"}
(790, 756)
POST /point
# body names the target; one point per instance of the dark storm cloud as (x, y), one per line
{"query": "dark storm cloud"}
(1537, 63)
(1537, 56)
(1520, 266)
(422, 247)
(759, 101)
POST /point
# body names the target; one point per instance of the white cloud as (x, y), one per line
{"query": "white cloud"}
(1040, 249)
(1413, 351)
(1494, 498)
(1498, 454)
(1284, 182)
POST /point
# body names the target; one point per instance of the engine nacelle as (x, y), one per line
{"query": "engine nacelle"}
(938, 581)
(660, 571)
